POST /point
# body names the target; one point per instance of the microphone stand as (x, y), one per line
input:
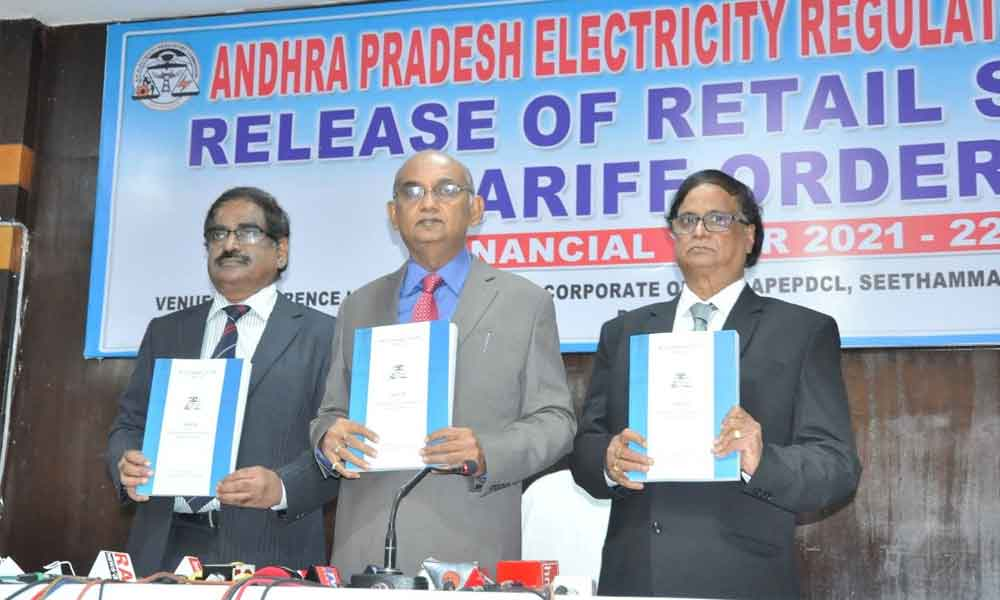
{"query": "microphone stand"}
(388, 576)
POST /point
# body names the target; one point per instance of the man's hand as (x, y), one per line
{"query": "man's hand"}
(251, 487)
(453, 446)
(740, 432)
(133, 469)
(340, 438)
(619, 459)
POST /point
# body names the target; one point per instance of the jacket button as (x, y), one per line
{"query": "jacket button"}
(656, 528)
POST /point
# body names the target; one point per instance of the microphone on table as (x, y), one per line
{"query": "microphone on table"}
(388, 576)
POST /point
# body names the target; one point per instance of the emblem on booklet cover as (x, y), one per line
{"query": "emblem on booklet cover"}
(166, 76)
(398, 372)
(192, 403)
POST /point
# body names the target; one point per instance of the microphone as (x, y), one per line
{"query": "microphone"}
(468, 468)
(389, 556)
(389, 576)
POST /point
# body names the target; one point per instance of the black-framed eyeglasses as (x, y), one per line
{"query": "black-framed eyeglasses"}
(444, 190)
(245, 234)
(714, 221)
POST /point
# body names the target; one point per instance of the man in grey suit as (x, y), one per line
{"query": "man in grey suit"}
(512, 410)
(269, 510)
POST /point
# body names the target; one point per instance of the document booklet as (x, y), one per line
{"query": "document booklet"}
(193, 424)
(403, 387)
(681, 385)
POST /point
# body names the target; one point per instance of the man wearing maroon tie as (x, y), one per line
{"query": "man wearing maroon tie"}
(512, 411)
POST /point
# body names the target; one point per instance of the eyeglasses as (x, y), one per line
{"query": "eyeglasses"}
(445, 191)
(245, 234)
(714, 221)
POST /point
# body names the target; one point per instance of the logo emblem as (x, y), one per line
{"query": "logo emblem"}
(166, 76)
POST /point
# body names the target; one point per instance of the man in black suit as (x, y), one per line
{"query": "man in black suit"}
(792, 428)
(269, 510)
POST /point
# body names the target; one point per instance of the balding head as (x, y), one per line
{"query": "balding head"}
(434, 204)
(427, 158)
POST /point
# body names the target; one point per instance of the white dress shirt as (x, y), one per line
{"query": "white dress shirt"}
(724, 301)
(249, 330)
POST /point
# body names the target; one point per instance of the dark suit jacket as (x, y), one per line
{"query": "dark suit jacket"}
(286, 387)
(726, 539)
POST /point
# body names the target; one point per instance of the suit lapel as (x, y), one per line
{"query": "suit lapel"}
(282, 327)
(745, 316)
(191, 332)
(660, 318)
(386, 309)
(477, 295)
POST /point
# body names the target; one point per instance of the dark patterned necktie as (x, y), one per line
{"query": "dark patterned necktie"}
(226, 348)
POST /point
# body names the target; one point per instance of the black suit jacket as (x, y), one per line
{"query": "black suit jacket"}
(726, 539)
(286, 387)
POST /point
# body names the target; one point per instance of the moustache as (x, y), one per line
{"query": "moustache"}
(232, 254)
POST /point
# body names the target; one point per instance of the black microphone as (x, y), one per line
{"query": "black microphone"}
(389, 576)
(468, 468)
(389, 557)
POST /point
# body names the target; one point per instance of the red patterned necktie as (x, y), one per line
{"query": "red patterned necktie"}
(426, 308)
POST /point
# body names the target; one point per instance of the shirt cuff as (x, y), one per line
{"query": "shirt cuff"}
(611, 483)
(284, 499)
(324, 464)
(745, 476)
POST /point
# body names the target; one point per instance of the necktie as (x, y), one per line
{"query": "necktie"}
(226, 348)
(701, 312)
(426, 308)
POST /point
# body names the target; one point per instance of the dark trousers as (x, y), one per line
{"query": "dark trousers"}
(190, 539)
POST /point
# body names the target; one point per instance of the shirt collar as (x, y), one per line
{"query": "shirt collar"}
(454, 274)
(261, 303)
(724, 300)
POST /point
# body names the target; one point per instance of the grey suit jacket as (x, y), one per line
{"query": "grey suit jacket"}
(510, 389)
(726, 540)
(286, 385)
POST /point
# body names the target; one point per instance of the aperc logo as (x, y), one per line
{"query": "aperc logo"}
(166, 76)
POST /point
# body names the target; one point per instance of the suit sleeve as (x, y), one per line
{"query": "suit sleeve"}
(130, 424)
(820, 467)
(305, 486)
(335, 394)
(544, 432)
(587, 460)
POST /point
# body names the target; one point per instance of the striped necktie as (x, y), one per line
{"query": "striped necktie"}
(226, 348)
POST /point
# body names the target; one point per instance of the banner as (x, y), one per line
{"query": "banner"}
(868, 131)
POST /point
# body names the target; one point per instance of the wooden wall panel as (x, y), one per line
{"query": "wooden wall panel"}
(923, 524)
(925, 520)
(59, 501)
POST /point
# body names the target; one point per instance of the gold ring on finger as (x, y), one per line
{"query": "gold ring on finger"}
(737, 434)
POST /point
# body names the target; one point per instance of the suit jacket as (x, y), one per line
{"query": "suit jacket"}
(726, 539)
(286, 386)
(510, 389)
